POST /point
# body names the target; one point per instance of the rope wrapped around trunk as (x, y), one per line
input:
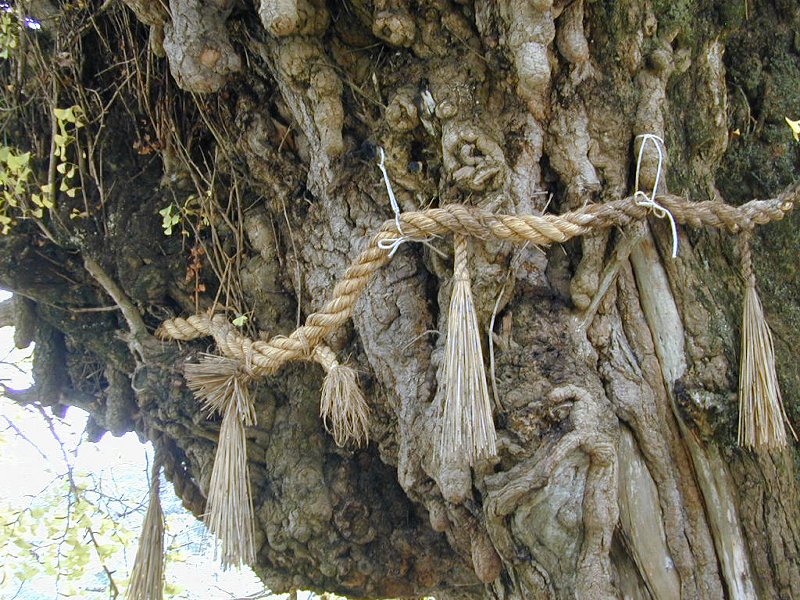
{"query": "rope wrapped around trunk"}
(268, 356)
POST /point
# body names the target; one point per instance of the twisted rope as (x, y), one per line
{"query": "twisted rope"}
(460, 258)
(267, 356)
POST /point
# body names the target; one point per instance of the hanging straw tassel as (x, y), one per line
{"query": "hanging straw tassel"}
(467, 427)
(147, 575)
(761, 412)
(223, 385)
(344, 411)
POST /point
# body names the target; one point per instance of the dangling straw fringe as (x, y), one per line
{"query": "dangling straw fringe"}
(147, 575)
(467, 425)
(761, 412)
(344, 411)
(223, 384)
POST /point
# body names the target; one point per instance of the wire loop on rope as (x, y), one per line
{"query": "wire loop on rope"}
(650, 201)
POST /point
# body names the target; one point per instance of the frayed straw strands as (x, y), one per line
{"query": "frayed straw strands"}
(147, 574)
(761, 412)
(467, 424)
(223, 385)
(342, 407)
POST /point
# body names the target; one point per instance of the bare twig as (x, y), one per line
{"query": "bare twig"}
(129, 311)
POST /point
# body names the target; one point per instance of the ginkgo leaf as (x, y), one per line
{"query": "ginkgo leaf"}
(64, 114)
(15, 163)
(795, 127)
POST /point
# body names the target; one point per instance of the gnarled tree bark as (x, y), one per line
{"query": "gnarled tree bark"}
(615, 365)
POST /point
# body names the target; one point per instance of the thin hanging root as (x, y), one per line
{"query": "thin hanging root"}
(342, 407)
(761, 412)
(467, 427)
(147, 574)
(229, 507)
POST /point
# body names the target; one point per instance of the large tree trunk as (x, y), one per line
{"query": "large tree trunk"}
(618, 473)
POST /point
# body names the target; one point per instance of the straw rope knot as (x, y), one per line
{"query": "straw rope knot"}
(222, 384)
(343, 409)
(467, 423)
(147, 574)
(762, 417)
(268, 356)
(746, 256)
(460, 258)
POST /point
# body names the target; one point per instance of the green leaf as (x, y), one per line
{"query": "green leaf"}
(15, 163)
(240, 320)
(169, 220)
(795, 127)
(64, 114)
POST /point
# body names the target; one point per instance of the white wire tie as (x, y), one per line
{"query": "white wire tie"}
(650, 201)
(391, 244)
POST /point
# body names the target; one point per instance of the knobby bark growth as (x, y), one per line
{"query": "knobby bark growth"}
(250, 132)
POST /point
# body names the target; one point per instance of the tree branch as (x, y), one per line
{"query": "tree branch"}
(129, 311)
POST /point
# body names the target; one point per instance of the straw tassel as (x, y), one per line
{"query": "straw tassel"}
(761, 412)
(147, 575)
(467, 427)
(342, 407)
(223, 385)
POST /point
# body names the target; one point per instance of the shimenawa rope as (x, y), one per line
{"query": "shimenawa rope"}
(268, 356)
(222, 382)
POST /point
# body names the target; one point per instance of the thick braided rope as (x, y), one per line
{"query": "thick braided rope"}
(267, 356)
(746, 257)
(460, 257)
